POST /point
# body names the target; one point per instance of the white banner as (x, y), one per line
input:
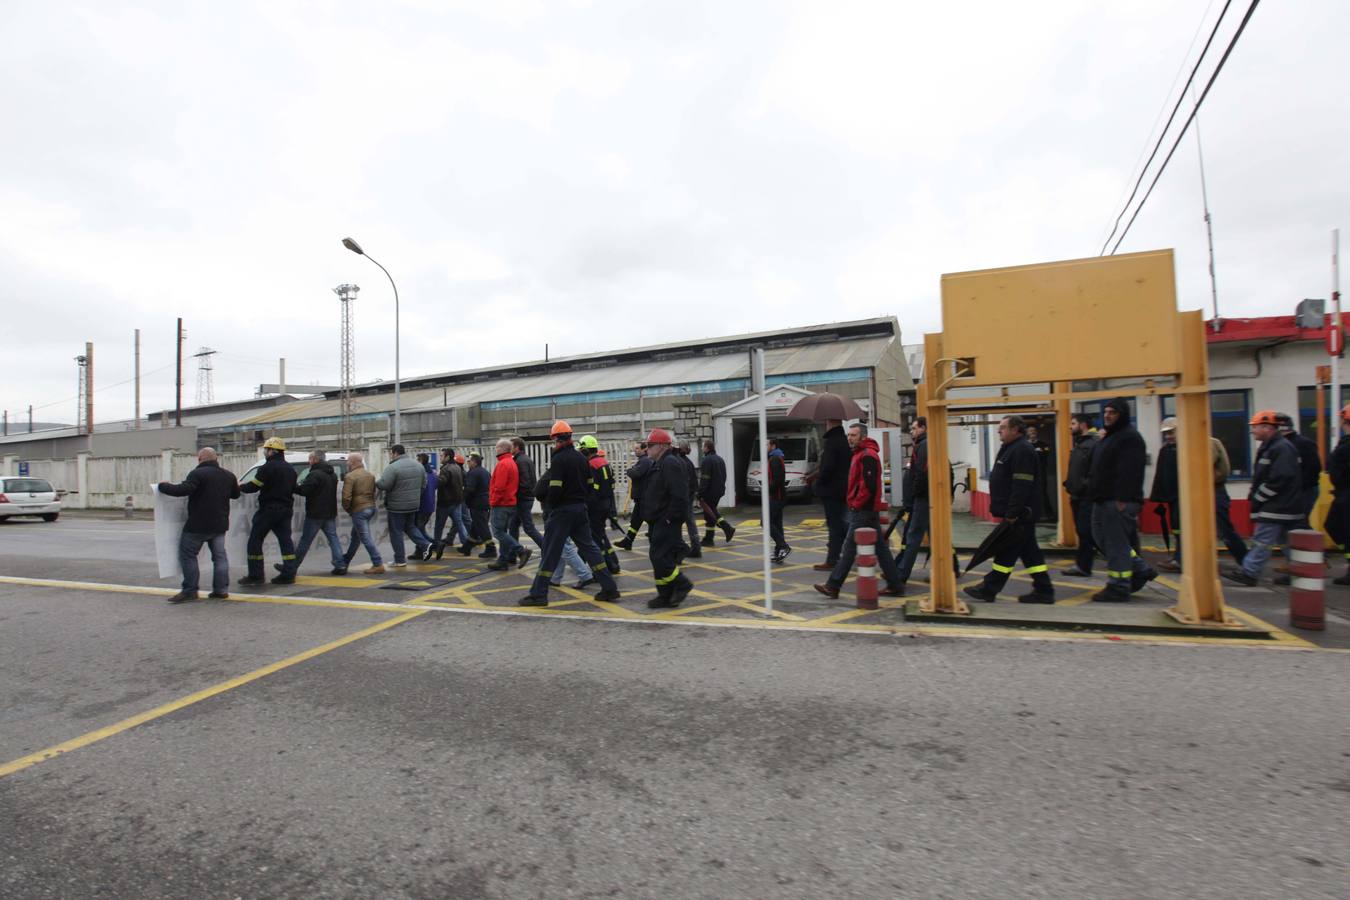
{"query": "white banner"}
(171, 515)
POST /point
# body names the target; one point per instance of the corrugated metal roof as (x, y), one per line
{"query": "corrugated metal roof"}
(781, 363)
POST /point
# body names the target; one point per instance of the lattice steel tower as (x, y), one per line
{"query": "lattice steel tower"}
(206, 389)
(347, 293)
(82, 423)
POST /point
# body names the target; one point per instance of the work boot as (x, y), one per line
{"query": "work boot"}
(465, 549)
(1075, 572)
(374, 570)
(1112, 594)
(489, 551)
(252, 581)
(532, 601)
(677, 597)
(183, 597)
(218, 595)
(729, 530)
(1240, 577)
(1037, 597)
(708, 538)
(417, 555)
(284, 579)
(1139, 578)
(980, 592)
(659, 602)
(695, 552)
(610, 596)
(624, 543)
(339, 570)
(499, 565)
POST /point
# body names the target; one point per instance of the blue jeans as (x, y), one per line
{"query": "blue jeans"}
(916, 526)
(1265, 535)
(189, 545)
(523, 520)
(507, 546)
(454, 514)
(307, 534)
(572, 559)
(361, 535)
(401, 522)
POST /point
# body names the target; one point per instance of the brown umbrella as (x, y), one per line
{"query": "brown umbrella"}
(819, 407)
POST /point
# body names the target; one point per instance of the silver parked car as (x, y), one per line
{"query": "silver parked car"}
(23, 496)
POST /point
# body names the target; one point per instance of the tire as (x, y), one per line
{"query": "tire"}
(49, 517)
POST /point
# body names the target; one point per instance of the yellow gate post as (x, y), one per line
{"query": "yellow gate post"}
(1067, 532)
(942, 578)
(1201, 596)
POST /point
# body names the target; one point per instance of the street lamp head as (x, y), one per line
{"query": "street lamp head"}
(353, 246)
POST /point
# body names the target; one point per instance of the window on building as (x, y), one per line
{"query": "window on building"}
(1307, 414)
(1228, 417)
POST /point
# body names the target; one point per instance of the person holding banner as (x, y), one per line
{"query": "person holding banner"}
(209, 490)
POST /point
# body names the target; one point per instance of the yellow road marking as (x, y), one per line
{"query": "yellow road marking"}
(340, 581)
(100, 734)
(152, 591)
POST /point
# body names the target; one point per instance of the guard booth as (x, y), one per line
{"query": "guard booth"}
(1047, 326)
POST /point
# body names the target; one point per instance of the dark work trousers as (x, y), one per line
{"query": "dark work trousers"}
(1337, 524)
(478, 525)
(563, 522)
(634, 523)
(1029, 552)
(916, 527)
(664, 552)
(1237, 548)
(1116, 531)
(598, 517)
(275, 519)
(1309, 497)
(691, 522)
(711, 517)
(776, 524)
(864, 518)
(836, 520)
(1174, 519)
(1082, 523)
(523, 520)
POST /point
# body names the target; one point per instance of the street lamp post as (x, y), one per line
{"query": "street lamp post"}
(398, 400)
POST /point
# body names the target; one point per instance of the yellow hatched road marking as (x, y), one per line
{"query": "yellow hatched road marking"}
(339, 581)
(100, 734)
(150, 590)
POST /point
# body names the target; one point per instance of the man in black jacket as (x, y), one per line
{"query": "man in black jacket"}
(523, 518)
(637, 474)
(777, 487)
(831, 486)
(1116, 485)
(1309, 465)
(691, 517)
(1076, 483)
(569, 482)
(915, 491)
(712, 485)
(320, 492)
(1276, 497)
(477, 482)
(665, 491)
(274, 483)
(449, 502)
(209, 490)
(1166, 491)
(1015, 496)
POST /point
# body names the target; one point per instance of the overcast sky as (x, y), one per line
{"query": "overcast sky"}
(595, 175)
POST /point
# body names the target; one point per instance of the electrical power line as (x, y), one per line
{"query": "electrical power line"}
(1181, 98)
(106, 387)
(1189, 119)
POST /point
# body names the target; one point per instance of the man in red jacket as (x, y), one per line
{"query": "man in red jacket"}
(502, 499)
(865, 500)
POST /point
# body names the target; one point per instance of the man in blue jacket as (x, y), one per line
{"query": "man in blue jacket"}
(1276, 496)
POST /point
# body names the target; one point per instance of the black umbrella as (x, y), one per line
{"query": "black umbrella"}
(1161, 510)
(1001, 538)
(825, 406)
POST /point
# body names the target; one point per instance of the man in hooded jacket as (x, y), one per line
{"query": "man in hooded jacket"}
(1116, 486)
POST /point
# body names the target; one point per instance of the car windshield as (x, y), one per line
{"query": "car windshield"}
(32, 485)
(793, 448)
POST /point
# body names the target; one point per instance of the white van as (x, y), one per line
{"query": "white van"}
(801, 454)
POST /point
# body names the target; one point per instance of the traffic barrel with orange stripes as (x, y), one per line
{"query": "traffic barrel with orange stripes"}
(1307, 571)
(866, 586)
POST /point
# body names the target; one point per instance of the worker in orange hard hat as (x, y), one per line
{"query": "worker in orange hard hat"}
(565, 488)
(1275, 497)
(1338, 517)
(665, 497)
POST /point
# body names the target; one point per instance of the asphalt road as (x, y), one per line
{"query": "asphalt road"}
(459, 755)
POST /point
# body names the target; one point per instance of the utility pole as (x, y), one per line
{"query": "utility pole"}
(178, 379)
(206, 389)
(138, 378)
(30, 418)
(81, 385)
(347, 294)
(89, 386)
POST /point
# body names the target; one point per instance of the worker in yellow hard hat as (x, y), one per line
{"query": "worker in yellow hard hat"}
(274, 483)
